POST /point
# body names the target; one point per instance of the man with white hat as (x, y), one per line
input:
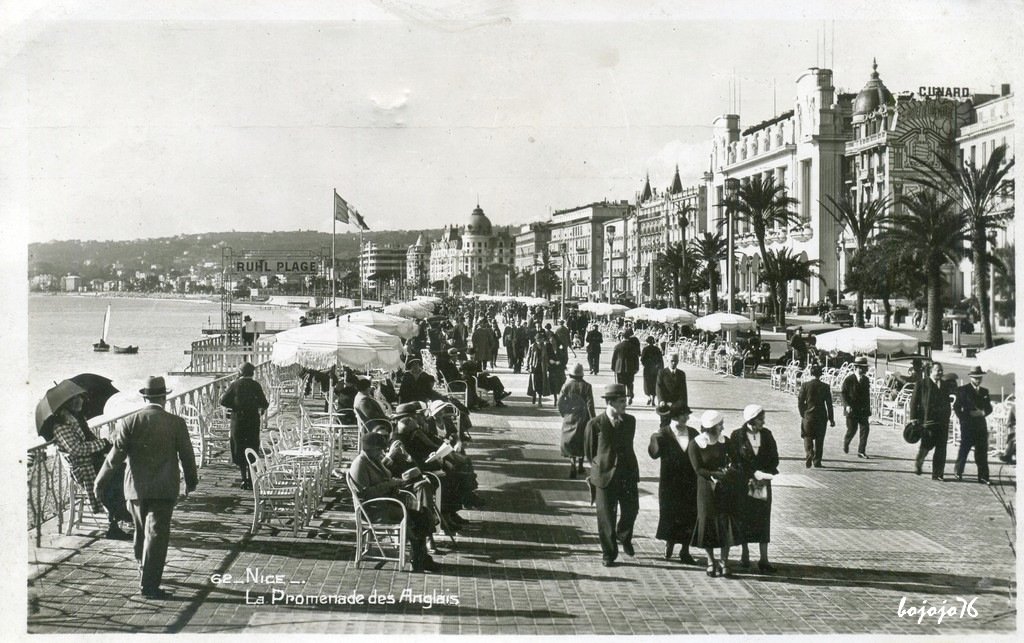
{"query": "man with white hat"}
(856, 394)
(614, 474)
(972, 406)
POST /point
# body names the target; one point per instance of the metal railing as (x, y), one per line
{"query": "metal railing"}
(49, 478)
(215, 355)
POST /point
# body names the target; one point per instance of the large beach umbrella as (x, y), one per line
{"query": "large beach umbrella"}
(614, 310)
(866, 340)
(675, 316)
(322, 346)
(408, 309)
(717, 322)
(392, 324)
(641, 313)
(1000, 359)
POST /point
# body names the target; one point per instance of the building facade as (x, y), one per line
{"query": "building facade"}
(470, 250)
(577, 244)
(417, 265)
(381, 264)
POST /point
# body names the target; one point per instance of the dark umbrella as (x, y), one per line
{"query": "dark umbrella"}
(97, 389)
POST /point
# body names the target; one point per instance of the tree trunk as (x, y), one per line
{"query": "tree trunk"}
(934, 307)
(713, 293)
(860, 309)
(780, 307)
(887, 307)
(981, 283)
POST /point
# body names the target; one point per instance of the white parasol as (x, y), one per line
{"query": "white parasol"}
(717, 322)
(409, 309)
(855, 340)
(675, 316)
(641, 313)
(391, 324)
(322, 346)
(1000, 360)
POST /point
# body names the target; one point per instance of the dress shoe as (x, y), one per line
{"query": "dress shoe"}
(114, 532)
(939, 478)
(863, 456)
(156, 594)
(627, 547)
(765, 567)
(846, 447)
(807, 464)
(504, 395)
(987, 483)
(608, 562)
(959, 477)
(917, 468)
(745, 563)
(572, 472)
(686, 559)
(817, 465)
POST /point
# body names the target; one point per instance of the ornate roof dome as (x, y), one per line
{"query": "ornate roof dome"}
(478, 223)
(874, 94)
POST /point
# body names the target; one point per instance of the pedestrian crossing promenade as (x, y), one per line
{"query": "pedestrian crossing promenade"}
(861, 546)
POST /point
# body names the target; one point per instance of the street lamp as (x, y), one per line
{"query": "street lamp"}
(731, 187)
(683, 222)
(536, 263)
(610, 234)
(564, 256)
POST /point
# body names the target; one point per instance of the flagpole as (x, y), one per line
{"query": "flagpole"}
(334, 252)
(360, 259)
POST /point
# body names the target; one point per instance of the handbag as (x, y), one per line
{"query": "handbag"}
(756, 490)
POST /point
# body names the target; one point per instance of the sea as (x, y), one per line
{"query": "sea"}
(63, 328)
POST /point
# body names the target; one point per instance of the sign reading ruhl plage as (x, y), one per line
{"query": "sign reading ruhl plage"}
(264, 263)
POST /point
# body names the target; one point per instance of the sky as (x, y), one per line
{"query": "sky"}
(120, 120)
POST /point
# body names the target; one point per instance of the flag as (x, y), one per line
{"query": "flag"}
(340, 208)
(360, 223)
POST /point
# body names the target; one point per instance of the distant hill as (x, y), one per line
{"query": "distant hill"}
(93, 259)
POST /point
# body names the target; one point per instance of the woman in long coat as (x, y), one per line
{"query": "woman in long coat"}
(558, 359)
(576, 406)
(677, 484)
(716, 527)
(652, 360)
(754, 450)
(538, 358)
(247, 402)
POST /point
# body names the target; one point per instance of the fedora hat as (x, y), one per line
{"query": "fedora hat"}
(614, 391)
(710, 419)
(406, 410)
(155, 387)
(664, 409)
(861, 360)
(751, 411)
(374, 440)
(577, 371)
(977, 371)
(912, 432)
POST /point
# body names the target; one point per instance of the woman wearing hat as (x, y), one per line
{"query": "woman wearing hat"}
(677, 484)
(652, 360)
(576, 406)
(755, 453)
(538, 358)
(247, 402)
(716, 527)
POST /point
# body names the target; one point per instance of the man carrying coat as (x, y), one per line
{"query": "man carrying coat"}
(972, 406)
(930, 406)
(815, 405)
(614, 474)
(857, 406)
(153, 442)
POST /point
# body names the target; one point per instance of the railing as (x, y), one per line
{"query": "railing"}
(49, 478)
(214, 355)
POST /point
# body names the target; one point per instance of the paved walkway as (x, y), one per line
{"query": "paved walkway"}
(852, 541)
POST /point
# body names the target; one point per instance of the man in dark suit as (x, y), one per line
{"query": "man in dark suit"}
(369, 412)
(614, 473)
(972, 406)
(247, 402)
(417, 385)
(930, 406)
(815, 405)
(593, 340)
(626, 361)
(857, 406)
(508, 339)
(153, 441)
(671, 388)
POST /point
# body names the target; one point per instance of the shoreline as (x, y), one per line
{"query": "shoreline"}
(157, 296)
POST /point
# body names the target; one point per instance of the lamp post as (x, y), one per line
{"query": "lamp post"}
(683, 222)
(563, 255)
(731, 187)
(536, 261)
(610, 234)
(750, 291)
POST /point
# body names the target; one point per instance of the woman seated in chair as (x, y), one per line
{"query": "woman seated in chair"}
(372, 479)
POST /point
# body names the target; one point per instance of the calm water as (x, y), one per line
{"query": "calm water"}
(62, 330)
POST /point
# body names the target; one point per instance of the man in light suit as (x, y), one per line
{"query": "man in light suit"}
(815, 405)
(671, 388)
(153, 441)
(972, 406)
(857, 406)
(614, 473)
(930, 406)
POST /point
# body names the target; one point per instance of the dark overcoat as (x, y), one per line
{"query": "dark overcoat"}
(677, 487)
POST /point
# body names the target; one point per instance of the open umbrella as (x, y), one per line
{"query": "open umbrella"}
(98, 389)
(641, 313)
(717, 322)
(408, 309)
(1000, 359)
(50, 402)
(391, 324)
(675, 316)
(321, 346)
(855, 340)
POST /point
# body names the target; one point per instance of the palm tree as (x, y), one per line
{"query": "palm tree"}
(986, 196)
(932, 228)
(710, 249)
(670, 266)
(885, 271)
(781, 267)
(861, 222)
(1005, 281)
(763, 205)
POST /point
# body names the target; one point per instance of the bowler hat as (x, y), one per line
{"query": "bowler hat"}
(861, 360)
(976, 372)
(577, 371)
(246, 369)
(155, 387)
(407, 409)
(614, 391)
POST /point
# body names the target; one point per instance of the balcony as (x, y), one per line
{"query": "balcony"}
(801, 233)
(860, 144)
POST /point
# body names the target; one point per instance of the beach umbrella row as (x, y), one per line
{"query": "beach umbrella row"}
(717, 322)
(334, 343)
(391, 324)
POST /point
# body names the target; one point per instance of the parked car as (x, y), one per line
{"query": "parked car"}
(841, 315)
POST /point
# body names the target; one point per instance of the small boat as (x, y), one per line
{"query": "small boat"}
(126, 350)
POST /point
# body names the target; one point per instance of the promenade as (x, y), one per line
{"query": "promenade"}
(852, 542)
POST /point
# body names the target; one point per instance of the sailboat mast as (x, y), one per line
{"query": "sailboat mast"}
(106, 323)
